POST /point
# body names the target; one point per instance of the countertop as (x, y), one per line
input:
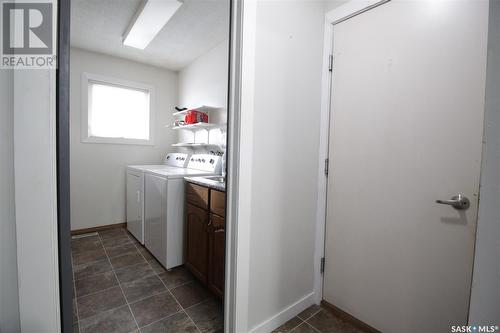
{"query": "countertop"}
(207, 182)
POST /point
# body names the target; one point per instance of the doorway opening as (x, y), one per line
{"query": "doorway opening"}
(147, 141)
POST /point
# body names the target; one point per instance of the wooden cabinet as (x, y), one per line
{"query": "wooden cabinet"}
(217, 255)
(197, 242)
(206, 235)
(218, 203)
(197, 195)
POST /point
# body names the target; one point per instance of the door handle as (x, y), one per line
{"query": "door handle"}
(460, 202)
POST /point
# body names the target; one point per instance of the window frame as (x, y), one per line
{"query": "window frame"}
(88, 78)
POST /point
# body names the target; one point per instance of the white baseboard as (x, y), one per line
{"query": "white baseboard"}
(285, 315)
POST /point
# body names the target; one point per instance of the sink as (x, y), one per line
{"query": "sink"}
(215, 182)
(217, 179)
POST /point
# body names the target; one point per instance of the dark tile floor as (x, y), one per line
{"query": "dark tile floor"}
(317, 319)
(120, 287)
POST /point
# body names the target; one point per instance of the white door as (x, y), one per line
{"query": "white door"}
(135, 223)
(155, 217)
(406, 130)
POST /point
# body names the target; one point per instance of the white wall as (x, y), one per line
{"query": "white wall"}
(205, 82)
(9, 297)
(332, 4)
(98, 170)
(485, 296)
(36, 199)
(285, 106)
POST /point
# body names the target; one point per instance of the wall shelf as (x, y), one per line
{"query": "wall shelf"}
(199, 126)
(203, 108)
(194, 145)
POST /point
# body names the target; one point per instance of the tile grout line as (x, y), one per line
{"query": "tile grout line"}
(119, 284)
(311, 326)
(302, 321)
(96, 292)
(315, 313)
(89, 276)
(170, 315)
(293, 328)
(146, 297)
(136, 246)
(156, 321)
(108, 259)
(103, 259)
(173, 296)
(131, 302)
(192, 306)
(118, 269)
(135, 300)
(187, 314)
(182, 284)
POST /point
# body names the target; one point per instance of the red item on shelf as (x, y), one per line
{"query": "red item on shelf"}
(193, 117)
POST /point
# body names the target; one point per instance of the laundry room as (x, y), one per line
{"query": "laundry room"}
(148, 117)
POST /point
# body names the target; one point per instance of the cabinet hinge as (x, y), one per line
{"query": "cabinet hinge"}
(322, 265)
(330, 63)
(326, 166)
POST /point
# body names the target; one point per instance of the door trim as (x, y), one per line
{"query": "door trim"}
(63, 166)
(335, 16)
(237, 261)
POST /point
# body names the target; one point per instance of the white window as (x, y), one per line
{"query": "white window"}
(116, 111)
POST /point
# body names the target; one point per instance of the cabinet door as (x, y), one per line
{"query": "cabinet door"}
(218, 202)
(217, 253)
(134, 205)
(197, 195)
(197, 241)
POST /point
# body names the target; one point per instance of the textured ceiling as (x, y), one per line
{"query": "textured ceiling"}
(197, 27)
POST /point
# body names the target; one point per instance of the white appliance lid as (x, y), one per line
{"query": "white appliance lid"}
(179, 173)
(172, 160)
(145, 167)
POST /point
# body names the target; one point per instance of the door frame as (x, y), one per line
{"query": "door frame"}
(335, 16)
(236, 299)
(237, 229)
(63, 165)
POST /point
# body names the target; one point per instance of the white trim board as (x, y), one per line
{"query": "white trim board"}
(350, 9)
(35, 167)
(337, 15)
(285, 315)
(237, 240)
(243, 167)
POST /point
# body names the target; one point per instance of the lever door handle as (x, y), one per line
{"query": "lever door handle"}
(460, 202)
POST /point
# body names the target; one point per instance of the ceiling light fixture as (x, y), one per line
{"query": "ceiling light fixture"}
(148, 21)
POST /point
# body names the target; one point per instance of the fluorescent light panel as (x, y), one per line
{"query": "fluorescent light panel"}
(149, 20)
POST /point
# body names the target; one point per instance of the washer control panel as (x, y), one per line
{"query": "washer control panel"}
(179, 160)
(205, 162)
